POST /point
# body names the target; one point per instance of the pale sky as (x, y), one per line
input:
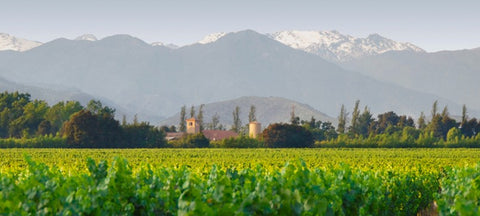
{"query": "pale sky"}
(431, 25)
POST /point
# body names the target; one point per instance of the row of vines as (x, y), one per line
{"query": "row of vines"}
(239, 182)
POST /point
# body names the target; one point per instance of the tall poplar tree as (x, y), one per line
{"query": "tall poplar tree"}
(355, 114)
(251, 114)
(421, 121)
(237, 123)
(183, 112)
(342, 120)
(192, 112)
(200, 117)
(295, 120)
(215, 121)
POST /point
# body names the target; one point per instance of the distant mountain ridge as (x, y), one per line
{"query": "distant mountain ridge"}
(55, 94)
(330, 45)
(268, 110)
(452, 74)
(157, 81)
(8, 42)
(50, 95)
(333, 46)
(87, 37)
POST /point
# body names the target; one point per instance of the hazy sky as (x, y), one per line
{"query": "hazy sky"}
(432, 25)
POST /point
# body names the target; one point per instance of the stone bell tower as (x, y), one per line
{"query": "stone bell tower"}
(192, 126)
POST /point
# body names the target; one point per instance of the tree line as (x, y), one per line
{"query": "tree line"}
(24, 122)
(69, 124)
(214, 124)
(392, 130)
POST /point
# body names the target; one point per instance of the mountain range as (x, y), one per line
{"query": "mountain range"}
(336, 47)
(8, 42)
(452, 74)
(330, 45)
(155, 80)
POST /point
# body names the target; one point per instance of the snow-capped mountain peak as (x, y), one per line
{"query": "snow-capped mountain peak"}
(157, 44)
(8, 42)
(334, 46)
(87, 37)
(171, 46)
(212, 37)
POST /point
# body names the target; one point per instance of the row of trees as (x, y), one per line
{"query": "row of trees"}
(392, 130)
(215, 122)
(365, 125)
(22, 117)
(93, 126)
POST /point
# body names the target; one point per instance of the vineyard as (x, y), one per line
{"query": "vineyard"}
(240, 181)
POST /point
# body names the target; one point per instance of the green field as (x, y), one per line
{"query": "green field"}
(203, 159)
(240, 181)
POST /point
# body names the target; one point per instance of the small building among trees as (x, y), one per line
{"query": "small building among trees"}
(193, 127)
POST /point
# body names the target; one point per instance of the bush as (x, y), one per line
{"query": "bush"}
(143, 135)
(238, 142)
(191, 141)
(89, 130)
(287, 136)
(37, 142)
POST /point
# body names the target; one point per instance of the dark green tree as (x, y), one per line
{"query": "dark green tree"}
(464, 115)
(342, 120)
(355, 114)
(237, 123)
(295, 120)
(214, 125)
(200, 117)
(251, 115)
(135, 120)
(124, 120)
(61, 112)
(421, 121)
(182, 122)
(364, 123)
(87, 130)
(192, 112)
(44, 128)
(386, 120)
(96, 108)
(434, 109)
(27, 123)
(447, 122)
(143, 135)
(435, 126)
(11, 109)
(197, 140)
(471, 128)
(287, 136)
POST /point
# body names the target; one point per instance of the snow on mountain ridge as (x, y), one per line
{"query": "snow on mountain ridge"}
(171, 46)
(212, 37)
(334, 46)
(87, 37)
(330, 45)
(8, 42)
(157, 44)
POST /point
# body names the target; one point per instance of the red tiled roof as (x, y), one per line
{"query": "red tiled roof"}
(174, 135)
(218, 134)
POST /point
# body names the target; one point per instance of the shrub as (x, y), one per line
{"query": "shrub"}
(287, 136)
(191, 141)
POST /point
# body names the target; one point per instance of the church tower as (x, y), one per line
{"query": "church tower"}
(192, 126)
